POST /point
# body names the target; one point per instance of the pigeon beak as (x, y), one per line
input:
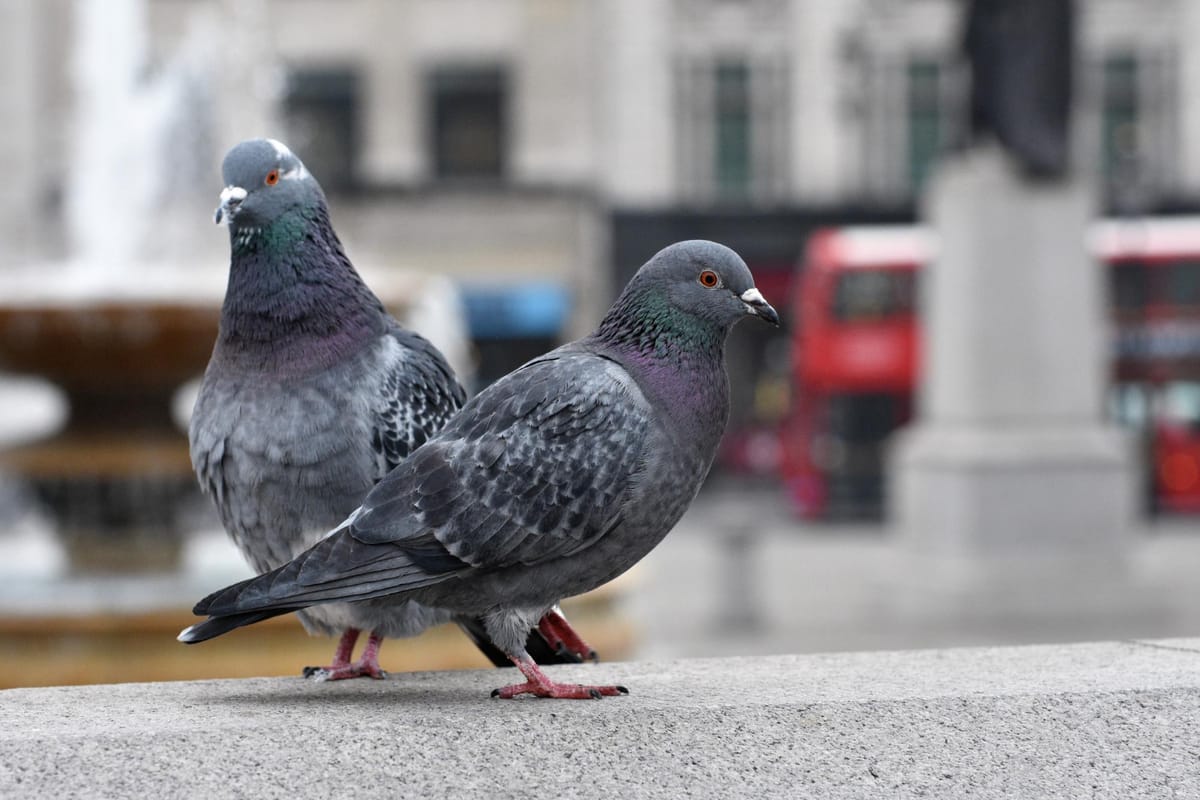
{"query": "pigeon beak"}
(759, 307)
(231, 198)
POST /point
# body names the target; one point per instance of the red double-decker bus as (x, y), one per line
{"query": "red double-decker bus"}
(856, 358)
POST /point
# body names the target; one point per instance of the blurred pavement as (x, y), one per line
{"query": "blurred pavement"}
(806, 587)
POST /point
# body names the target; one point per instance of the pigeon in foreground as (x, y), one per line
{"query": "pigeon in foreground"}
(553, 480)
(313, 393)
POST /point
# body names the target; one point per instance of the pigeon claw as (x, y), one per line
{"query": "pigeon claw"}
(559, 691)
(342, 669)
(539, 684)
(355, 670)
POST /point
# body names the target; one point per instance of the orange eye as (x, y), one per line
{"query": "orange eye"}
(272, 177)
(709, 279)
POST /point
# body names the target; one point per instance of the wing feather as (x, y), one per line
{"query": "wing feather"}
(537, 467)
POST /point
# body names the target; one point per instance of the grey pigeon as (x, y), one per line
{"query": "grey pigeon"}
(313, 393)
(555, 479)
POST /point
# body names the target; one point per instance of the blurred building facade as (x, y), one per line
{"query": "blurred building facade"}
(539, 150)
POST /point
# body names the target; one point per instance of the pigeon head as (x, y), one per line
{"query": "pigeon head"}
(291, 284)
(264, 180)
(689, 291)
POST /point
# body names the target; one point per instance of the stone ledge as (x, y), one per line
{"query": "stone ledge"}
(1109, 719)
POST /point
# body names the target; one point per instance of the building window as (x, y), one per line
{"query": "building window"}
(731, 122)
(468, 114)
(925, 127)
(321, 117)
(1119, 119)
(911, 106)
(1136, 115)
(732, 150)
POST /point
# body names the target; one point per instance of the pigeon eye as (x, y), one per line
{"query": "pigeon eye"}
(709, 279)
(272, 178)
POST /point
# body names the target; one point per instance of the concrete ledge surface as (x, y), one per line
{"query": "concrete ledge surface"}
(1109, 719)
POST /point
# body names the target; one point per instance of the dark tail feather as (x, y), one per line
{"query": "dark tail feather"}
(322, 574)
(201, 608)
(210, 628)
(536, 645)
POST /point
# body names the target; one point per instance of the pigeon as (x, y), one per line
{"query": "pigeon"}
(555, 479)
(313, 393)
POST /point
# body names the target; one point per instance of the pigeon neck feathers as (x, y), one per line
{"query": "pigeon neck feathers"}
(294, 300)
(645, 327)
(677, 358)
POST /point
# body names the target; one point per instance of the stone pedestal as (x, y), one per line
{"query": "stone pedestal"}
(1010, 476)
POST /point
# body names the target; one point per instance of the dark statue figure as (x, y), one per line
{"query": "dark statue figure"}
(1021, 54)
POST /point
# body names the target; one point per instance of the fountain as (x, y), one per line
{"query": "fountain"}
(124, 320)
(114, 327)
(131, 314)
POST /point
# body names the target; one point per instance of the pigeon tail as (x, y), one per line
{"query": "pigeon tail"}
(212, 628)
(336, 569)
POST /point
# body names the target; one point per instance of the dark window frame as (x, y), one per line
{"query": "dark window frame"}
(455, 92)
(327, 138)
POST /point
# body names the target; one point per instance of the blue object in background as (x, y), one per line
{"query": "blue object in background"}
(524, 311)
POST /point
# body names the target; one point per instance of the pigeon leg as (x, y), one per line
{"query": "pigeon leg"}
(368, 662)
(562, 637)
(341, 656)
(539, 684)
(367, 665)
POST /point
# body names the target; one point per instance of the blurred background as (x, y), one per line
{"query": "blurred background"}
(498, 169)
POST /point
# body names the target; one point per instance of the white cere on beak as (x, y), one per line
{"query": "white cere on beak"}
(757, 305)
(230, 195)
(235, 193)
(753, 296)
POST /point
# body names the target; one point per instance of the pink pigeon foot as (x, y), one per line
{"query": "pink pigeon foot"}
(540, 685)
(562, 637)
(342, 669)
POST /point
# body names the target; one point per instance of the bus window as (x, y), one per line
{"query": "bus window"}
(1183, 284)
(1129, 286)
(1180, 404)
(874, 295)
(1129, 404)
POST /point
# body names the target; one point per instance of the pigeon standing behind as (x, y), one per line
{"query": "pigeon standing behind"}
(555, 479)
(313, 394)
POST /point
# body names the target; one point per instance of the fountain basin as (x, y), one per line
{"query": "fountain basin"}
(116, 475)
(118, 359)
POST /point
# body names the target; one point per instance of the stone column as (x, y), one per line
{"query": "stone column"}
(1010, 473)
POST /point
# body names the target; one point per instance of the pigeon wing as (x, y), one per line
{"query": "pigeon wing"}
(418, 393)
(536, 468)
